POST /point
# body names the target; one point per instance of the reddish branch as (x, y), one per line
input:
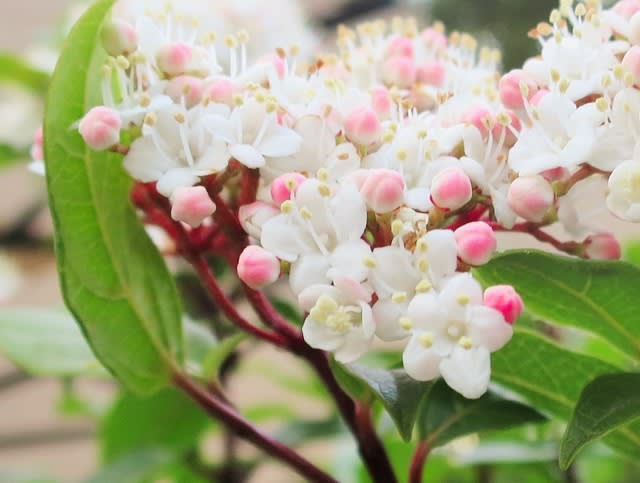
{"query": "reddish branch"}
(572, 248)
(418, 461)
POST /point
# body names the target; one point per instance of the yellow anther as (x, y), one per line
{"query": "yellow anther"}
(401, 154)
(396, 227)
(145, 100)
(243, 36)
(324, 190)
(503, 119)
(406, 323)
(369, 262)
(180, 117)
(422, 245)
(426, 339)
(399, 297)
(618, 71)
(423, 286)
(122, 62)
(563, 86)
(323, 174)
(150, 119)
(465, 343)
(287, 207)
(581, 10)
(238, 100)
(231, 41)
(555, 16)
(555, 75)
(602, 104)
(524, 89)
(628, 79)
(423, 265)
(605, 82)
(463, 299)
(306, 214)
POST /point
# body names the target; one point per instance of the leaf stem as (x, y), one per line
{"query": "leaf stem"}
(417, 463)
(245, 430)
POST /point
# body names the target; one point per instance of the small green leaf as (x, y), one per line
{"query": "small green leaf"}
(446, 415)
(198, 343)
(16, 70)
(113, 278)
(166, 420)
(351, 382)
(551, 379)
(217, 355)
(46, 342)
(599, 297)
(135, 466)
(607, 403)
(10, 154)
(400, 394)
(288, 311)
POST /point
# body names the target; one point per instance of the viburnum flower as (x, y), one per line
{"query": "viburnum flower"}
(624, 191)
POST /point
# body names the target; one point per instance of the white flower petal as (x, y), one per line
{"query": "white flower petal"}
(308, 270)
(487, 328)
(386, 314)
(421, 363)
(247, 155)
(467, 371)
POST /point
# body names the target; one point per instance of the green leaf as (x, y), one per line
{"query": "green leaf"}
(135, 466)
(399, 394)
(46, 342)
(167, 420)
(446, 415)
(288, 311)
(219, 354)
(551, 379)
(198, 342)
(605, 404)
(632, 252)
(10, 154)
(599, 297)
(14, 69)
(113, 278)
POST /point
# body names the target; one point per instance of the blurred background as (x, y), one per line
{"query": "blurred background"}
(47, 426)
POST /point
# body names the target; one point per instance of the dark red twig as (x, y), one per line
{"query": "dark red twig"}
(418, 461)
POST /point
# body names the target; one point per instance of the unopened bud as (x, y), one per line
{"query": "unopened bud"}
(258, 267)
(505, 300)
(383, 190)
(119, 38)
(531, 197)
(191, 205)
(476, 243)
(362, 126)
(100, 128)
(451, 188)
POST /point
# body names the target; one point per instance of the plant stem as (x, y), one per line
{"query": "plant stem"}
(245, 430)
(418, 461)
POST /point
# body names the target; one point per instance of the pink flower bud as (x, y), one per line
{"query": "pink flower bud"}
(634, 29)
(479, 117)
(254, 215)
(119, 38)
(509, 137)
(400, 46)
(257, 267)
(434, 39)
(37, 149)
(505, 300)
(603, 246)
(627, 8)
(631, 62)
(451, 188)
(538, 96)
(174, 59)
(362, 126)
(531, 197)
(185, 87)
(100, 128)
(432, 73)
(381, 102)
(191, 205)
(221, 91)
(399, 71)
(284, 186)
(476, 243)
(277, 62)
(383, 190)
(511, 91)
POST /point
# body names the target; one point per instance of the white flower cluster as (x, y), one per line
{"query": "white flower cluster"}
(382, 169)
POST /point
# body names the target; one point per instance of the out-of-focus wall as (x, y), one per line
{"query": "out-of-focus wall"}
(22, 21)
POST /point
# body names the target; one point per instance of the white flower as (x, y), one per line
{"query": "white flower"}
(453, 334)
(253, 134)
(175, 150)
(339, 319)
(624, 191)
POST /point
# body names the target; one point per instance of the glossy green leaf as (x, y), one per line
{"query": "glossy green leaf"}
(607, 403)
(46, 342)
(446, 415)
(13, 69)
(166, 420)
(632, 252)
(399, 394)
(113, 278)
(551, 379)
(198, 343)
(599, 297)
(218, 355)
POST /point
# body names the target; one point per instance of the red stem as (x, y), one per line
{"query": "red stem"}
(418, 461)
(245, 430)
(533, 229)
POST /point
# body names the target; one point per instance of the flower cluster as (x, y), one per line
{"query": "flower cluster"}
(373, 179)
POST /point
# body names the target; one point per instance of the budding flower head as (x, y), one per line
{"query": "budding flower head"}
(185, 87)
(191, 205)
(119, 38)
(100, 128)
(603, 246)
(505, 300)
(284, 186)
(515, 87)
(258, 267)
(383, 190)
(362, 126)
(531, 197)
(476, 243)
(400, 71)
(451, 188)
(174, 59)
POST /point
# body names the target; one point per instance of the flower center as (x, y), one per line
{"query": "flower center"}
(338, 318)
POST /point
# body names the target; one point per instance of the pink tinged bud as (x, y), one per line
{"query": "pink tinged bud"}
(37, 149)
(221, 91)
(284, 186)
(100, 128)
(476, 243)
(603, 246)
(381, 102)
(191, 205)
(627, 8)
(451, 189)
(257, 267)
(538, 96)
(362, 126)
(174, 59)
(631, 62)
(479, 117)
(185, 87)
(432, 73)
(254, 215)
(400, 71)
(511, 89)
(119, 38)
(505, 300)
(383, 190)
(401, 46)
(531, 197)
